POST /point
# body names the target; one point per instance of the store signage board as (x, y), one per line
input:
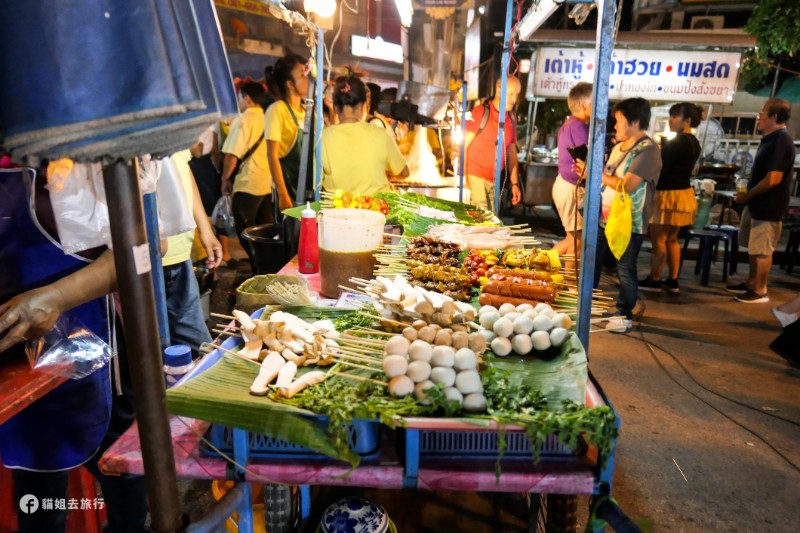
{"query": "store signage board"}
(662, 75)
(248, 6)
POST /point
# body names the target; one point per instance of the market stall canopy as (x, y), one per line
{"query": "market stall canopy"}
(110, 82)
(789, 90)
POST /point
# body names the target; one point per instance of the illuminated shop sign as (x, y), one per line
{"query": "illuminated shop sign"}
(664, 75)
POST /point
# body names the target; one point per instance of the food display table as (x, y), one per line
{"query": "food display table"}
(20, 385)
(395, 467)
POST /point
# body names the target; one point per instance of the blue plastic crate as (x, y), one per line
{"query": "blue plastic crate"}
(364, 440)
(484, 445)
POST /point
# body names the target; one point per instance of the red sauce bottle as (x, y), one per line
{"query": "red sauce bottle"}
(308, 249)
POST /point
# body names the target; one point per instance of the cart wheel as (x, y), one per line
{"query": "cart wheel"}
(561, 514)
(279, 508)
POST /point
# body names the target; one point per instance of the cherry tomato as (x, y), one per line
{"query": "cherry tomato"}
(480, 272)
(468, 263)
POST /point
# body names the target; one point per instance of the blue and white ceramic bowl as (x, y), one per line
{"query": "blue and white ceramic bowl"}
(354, 515)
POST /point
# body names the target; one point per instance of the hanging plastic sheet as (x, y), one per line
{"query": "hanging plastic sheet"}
(110, 79)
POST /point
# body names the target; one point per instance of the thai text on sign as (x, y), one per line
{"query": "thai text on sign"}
(665, 75)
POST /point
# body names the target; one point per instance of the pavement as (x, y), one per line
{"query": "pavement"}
(710, 421)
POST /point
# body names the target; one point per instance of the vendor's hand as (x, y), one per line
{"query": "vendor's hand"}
(227, 187)
(579, 166)
(285, 201)
(213, 249)
(742, 197)
(29, 316)
(516, 194)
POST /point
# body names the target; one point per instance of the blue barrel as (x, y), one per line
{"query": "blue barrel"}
(88, 79)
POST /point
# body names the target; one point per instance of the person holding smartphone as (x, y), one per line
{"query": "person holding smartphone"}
(567, 194)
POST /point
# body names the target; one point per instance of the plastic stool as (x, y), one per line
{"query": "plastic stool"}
(709, 240)
(790, 253)
(733, 233)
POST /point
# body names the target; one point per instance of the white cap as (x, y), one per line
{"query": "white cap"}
(308, 212)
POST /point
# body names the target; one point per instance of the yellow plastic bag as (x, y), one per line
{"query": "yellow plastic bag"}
(620, 222)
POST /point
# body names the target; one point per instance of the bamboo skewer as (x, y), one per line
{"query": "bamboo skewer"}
(226, 326)
(371, 331)
(361, 340)
(226, 332)
(218, 315)
(367, 360)
(359, 378)
(363, 353)
(235, 354)
(354, 365)
(384, 319)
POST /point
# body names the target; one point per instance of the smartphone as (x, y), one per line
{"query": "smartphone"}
(579, 152)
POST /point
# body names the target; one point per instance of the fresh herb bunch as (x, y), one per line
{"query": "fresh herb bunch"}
(354, 320)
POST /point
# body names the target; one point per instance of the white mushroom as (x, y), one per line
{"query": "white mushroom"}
(306, 380)
(468, 382)
(395, 365)
(401, 386)
(269, 369)
(286, 375)
(252, 349)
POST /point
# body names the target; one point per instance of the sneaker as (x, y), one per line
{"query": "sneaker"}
(619, 325)
(752, 297)
(740, 288)
(672, 285)
(650, 285)
(784, 318)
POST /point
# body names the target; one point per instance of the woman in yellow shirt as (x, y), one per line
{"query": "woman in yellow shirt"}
(357, 156)
(283, 124)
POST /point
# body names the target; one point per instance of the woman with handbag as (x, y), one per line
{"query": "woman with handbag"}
(629, 179)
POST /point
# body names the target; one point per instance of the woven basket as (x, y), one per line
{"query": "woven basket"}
(251, 294)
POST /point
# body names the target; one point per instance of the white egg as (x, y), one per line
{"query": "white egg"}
(542, 323)
(419, 371)
(503, 327)
(443, 376)
(541, 307)
(507, 308)
(474, 403)
(562, 320)
(452, 395)
(540, 340)
(487, 309)
(401, 386)
(443, 356)
(513, 316)
(419, 392)
(531, 313)
(501, 346)
(522, 344)
(466, 360)
(523, 324)
(487, 334)
(395, 365)
(521, 308)
(468, 382)
(420, 351)
(396, 346)
(487, 320)
(558, 336)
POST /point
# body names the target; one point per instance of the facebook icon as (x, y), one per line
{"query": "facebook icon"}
(28, 504)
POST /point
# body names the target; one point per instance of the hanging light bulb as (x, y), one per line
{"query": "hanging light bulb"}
(323, 8)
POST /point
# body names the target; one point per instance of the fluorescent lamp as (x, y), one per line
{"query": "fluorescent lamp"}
(323, 8)
(376, 48)
(405, 10)
(535, 17)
